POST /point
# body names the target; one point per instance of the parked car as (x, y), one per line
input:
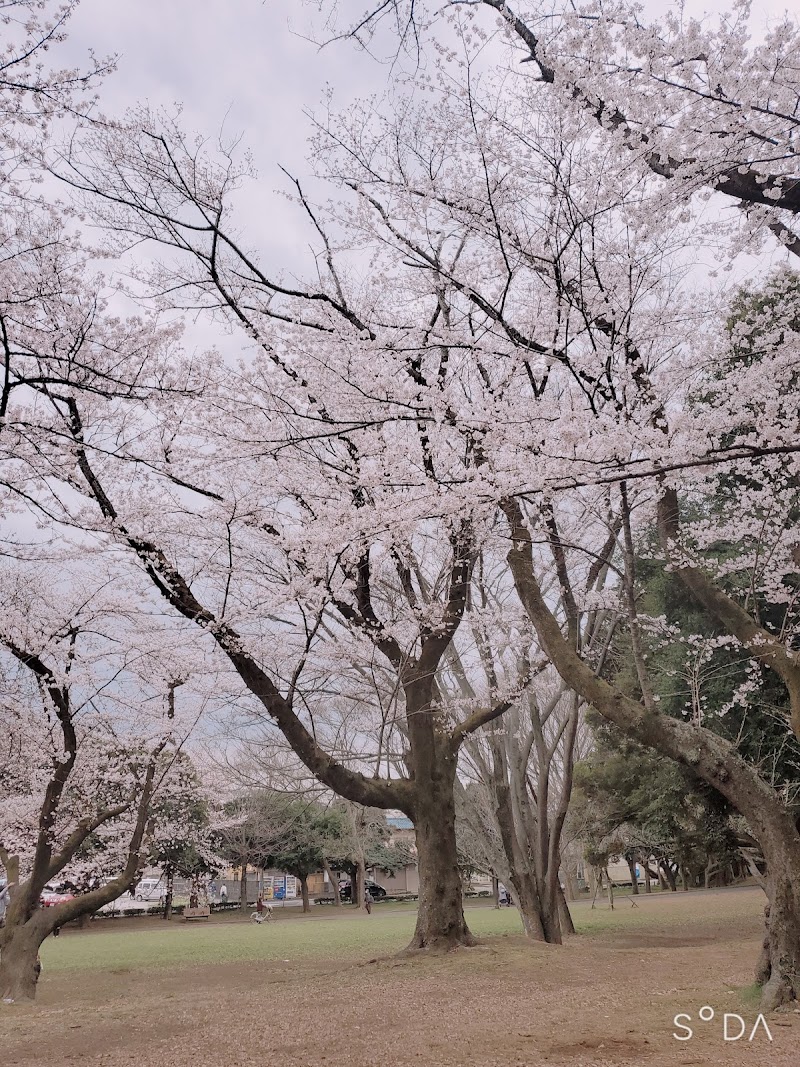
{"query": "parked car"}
(377, 892)
(53, 894)
(149, 889)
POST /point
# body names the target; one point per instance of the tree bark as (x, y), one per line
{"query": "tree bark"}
(243, 889)
(564, 914)
(529, 856)
(359, 884)
(780, 971)
(529, 906)
(427, 794)
(168, 894)
(669, 876)
(19, 955)
(711, 757)
(304, 893)
(440, 915)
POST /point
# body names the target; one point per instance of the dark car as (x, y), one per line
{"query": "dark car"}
(377, 892)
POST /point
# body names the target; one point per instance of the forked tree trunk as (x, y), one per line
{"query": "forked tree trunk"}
(440, 916)
(529, 907)
(711, 757)
(533, 882)
(551, 910)
(19, 956)
(27, 925)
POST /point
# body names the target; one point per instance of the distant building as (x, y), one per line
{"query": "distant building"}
(405, 880)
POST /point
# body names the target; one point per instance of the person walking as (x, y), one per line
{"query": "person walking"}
(223, 893)
(368, 900)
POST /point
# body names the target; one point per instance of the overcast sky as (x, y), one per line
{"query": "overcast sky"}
(238, 63)
(245, 63)
(249, 66)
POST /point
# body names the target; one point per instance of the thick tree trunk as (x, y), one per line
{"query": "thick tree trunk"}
(19, 961)
(27, 925)
(304, 893)
(779, 967)
(533, 882)
(550, 909)
(440, 916)
(243, 889)
(529, 907)
(711, 757)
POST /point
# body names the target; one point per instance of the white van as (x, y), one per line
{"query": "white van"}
(149, 889)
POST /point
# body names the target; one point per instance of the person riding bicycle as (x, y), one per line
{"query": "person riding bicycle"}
(261, 907)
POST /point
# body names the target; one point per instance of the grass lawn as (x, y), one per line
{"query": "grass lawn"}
(323, 934)
(326, 936)
(327, 988)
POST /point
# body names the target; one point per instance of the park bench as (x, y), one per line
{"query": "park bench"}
(203, 912)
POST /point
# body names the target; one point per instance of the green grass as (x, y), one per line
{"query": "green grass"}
(322, 935)
(182, 944)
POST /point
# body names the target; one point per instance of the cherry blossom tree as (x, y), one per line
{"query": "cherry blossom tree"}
(704, 103)
(500, 322)
(36, 94)
(638, 393)
(92, 766)
(518, 771)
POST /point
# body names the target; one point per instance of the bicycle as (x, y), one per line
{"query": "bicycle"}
(262, 917)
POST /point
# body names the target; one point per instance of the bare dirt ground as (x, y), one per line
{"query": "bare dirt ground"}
(603, 999)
